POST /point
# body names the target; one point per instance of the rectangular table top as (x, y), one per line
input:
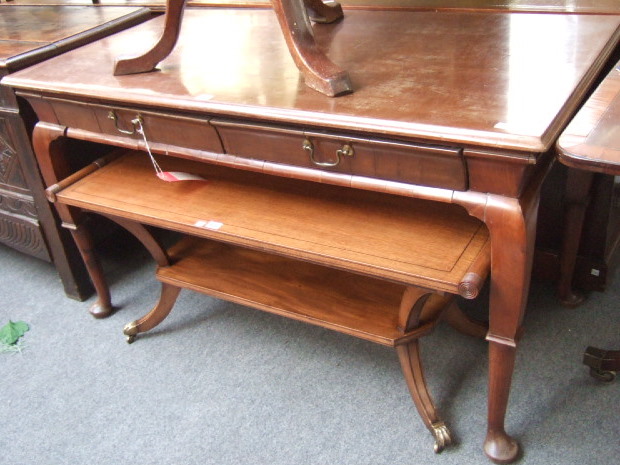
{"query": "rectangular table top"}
(504, 80)
(555, 6)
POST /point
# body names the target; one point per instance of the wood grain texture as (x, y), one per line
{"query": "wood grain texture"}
(418, 78)
(33, 29)
(515, 88)
(427, 165)
(360, 306)
(404, 240)
(356, 305)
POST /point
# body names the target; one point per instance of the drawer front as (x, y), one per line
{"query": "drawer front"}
(389, 160)
(161, 129)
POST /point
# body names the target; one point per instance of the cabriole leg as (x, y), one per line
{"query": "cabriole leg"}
(49, 145)
(578, 187)
(512, 227)
(102, 308)
(498, 445)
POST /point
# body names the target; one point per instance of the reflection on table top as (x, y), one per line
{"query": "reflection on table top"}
(571, 6)
(30, 33)
(415, 74)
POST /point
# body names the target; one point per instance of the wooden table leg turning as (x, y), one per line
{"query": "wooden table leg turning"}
(603, 363)
(578, 185)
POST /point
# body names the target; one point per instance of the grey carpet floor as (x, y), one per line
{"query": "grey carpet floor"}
(218, 383)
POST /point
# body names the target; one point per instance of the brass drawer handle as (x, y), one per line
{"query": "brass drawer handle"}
(137, 120)
(345, 151)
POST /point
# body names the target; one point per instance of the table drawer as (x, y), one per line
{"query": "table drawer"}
(384, 159)
(161, 129)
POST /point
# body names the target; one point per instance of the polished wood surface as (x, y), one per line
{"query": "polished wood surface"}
(288, 231)
(146, 62)
(366, 307)
(403, 240)
(592, 139)
(520, 102)
(30, 28)
(548, 6)
(319, 72)
(418, 79)
(30, 35)
(294, 17)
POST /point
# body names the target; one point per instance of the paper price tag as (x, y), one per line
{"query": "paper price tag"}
(168, 176)
(215, 225)
(173, 176)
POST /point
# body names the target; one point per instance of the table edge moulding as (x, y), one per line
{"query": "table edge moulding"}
(447, 141)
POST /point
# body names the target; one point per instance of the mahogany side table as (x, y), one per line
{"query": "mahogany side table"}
(590, 144)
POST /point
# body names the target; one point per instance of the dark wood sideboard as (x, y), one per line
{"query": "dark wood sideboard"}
(597, 250)
(589, 145)
(29, 35)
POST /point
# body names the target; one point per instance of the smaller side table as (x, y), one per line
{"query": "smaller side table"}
(590, 144)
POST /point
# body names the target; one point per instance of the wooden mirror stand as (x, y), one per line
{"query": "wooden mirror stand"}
(294, 18)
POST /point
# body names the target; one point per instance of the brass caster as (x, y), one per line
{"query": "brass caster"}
(600, 361)
(131, 331)
(442, 436)
(602, 375)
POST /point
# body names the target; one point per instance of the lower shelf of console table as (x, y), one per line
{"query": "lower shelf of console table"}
(358, 305)
(376, 266)
(361, 306)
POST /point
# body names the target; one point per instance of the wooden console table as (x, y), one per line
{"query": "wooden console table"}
(459, 109)
(590, 144)
(29, 35)
(542, 6)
